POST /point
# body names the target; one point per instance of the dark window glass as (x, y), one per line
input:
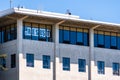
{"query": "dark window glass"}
(7, 34)
(13, 33)
(73, 36)
(82, 65)
(48, 33)
(46, 61)
(42, 33)
(0, 35)
(27, 31)
(13, 60)
(35, 31)
(3, 62)
(100, 66)
(95, 39)
(107, 39)
(30, 60)
(66, 63)
(113, 41)
(60, 35)
(86, 37)
(66, 36)
(118, 41)
(100, 39)
(3, 35)
(80, 37)
(115, 68)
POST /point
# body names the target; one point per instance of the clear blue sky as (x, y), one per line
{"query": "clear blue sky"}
(100, 10)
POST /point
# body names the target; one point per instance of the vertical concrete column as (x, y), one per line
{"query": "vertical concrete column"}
(91, 53)
(19, 47)
(19, 35)
(56, 50)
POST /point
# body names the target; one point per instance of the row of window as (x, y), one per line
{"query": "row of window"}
(35, 31)
(8, 33)
(107, 39)
(13, 61)
(70, 35)
(66, 64)
(101, 68)
(46, 62)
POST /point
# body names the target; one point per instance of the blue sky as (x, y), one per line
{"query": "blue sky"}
(100, 10)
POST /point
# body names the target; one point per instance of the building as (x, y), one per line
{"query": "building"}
(39, 45)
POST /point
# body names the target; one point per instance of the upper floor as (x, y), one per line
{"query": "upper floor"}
(40, 26)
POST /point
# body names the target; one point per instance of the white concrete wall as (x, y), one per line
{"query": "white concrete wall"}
(74, 52)
(38, 48)
(108, 56)
(9, 48)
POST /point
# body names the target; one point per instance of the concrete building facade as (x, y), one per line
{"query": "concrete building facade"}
(39, 45)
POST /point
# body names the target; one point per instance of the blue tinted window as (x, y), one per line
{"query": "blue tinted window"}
(13, 32)
(118, 42)
(100, 40)
(73, 37)
(66, 63)
(82, 65)
(100, 66)
(0, 35)
(115, 68)
(107, 41)
(3, 35)
(30, 60)
(34, 33)
(60, 35)
(66, 36)
(27, 31)
(95, 40)
(80, 38)
(46, 61)
(86, 39)
(113, 41)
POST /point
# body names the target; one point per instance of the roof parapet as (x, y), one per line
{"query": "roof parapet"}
(45, 13)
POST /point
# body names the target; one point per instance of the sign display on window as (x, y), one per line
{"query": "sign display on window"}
(35, 32)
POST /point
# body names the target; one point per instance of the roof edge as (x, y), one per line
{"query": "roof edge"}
(6, 12)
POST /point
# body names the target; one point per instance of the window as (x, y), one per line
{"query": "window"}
(34, 31)
(13, 60)
(46, 61)
(95, 38)
(61, 34)
(66, 36)
(3, 62)
(113, 41)
(8, 33)
(115, 68)
(86, 37)
(118, 44)
(30, 60)
(82, 65)
(107, 39)
(0, 35)
(66, 64)
(80, 36)
(100, 66)
(27, 31)
(73, 35)
(100, 39)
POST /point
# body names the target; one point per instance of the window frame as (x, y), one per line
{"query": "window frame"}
(66, 65)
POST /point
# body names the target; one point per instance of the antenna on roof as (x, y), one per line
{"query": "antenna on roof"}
(68, 12)
(10, 3)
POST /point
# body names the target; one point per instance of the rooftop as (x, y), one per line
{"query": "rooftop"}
(11, 15)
